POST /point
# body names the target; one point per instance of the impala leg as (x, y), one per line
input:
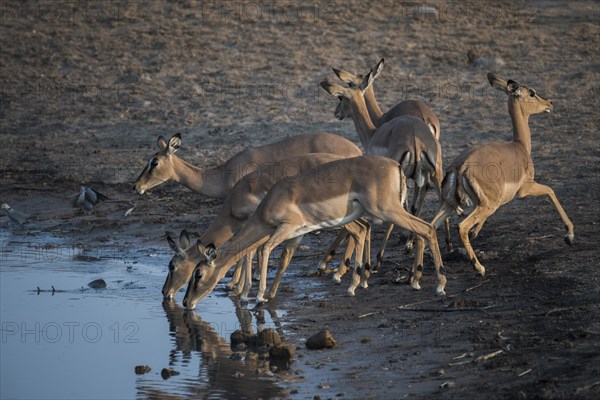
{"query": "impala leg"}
(283, 233)
(536, 189)
(247, 276)
(440, 271)
(357, 231)
(415, 209)
(365, 237)
(286, 256)
(235, 279)
(366, 256)
(383, 244)
(256, 275)
(416, 225)
(447, 234)
(475, 231)
(478, 216)
(345, 265)
(444, 210)
(417, 268)
(443, 216)
(342, 235)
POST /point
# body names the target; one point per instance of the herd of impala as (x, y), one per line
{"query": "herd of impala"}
(276, 193)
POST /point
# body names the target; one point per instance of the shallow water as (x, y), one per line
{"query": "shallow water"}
(81, 343)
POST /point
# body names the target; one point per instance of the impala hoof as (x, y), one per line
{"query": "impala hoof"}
(569, 239)
(351, 292)
(415, 285)
(337, 279)
(440, 292)
(480, 269)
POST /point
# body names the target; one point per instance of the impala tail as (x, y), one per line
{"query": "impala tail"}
(455, 194)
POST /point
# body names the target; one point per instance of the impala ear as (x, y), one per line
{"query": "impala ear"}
(367, 81)
(174, 143)
(498, 82)
(184, 239)
(172, 243)
(162, 143)
(377, 69)
(210, 252)
(347, 77)
(334, 89)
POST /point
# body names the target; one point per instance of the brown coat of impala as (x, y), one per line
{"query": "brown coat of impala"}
(405, 139)
(330, 195)
(485, 177)
(216, 182)
(417, 108)
(240, 204)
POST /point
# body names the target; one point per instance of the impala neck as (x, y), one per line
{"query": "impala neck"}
(219, 232)
(520, 123)
(205, 181)
(374, 111)
(362, 121)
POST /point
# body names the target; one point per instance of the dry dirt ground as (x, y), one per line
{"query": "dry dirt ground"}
(87, 88)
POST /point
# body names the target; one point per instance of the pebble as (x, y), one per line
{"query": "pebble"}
(321, 340)
(166, 373)
(97, 284)
(142, 369)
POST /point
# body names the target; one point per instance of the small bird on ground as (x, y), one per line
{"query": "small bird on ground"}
(87, 198)
(14, 215)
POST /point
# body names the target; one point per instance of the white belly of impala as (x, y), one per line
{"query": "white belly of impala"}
(357, 211)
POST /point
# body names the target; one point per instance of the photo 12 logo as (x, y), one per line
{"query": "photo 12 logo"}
(68, 332)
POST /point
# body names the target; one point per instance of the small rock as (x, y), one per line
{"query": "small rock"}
(267, 338)
(167, 373)
(322, 340)
(366, 339)
(97, 284)
(324, 386)
(142, 369)
(438, 372)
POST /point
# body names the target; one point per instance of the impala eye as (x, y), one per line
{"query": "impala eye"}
(171, 266)
(532, 92)
(153, 162)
